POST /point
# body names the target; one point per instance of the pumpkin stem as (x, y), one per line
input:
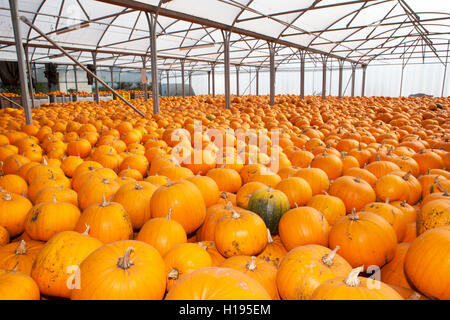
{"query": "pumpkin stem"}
(169, 214)
(442, 187)
(296, 205)
(86, 232)
(229, 205)
(353, 216)
(45, 162)
(54, 198)
(252, 264)
(407, 175)
(352, 279)
(104, 202)
(235, 214)
(7, 197)
(269, 237)
(173, 274)
(203, 245)
(328, 259)
(21, 248)
(414, 296)
(357, 179)
(387, 200)
(138, 186)
(125, 262)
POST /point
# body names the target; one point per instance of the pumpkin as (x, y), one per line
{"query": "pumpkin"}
(102, 186)
(427, 263)
(15, 285)
(262, 271)
(270, 205)
(393, 215)
(226, 179)
(49, 218)
(215, 283)
(365, 239)
(355, 193)
(362, 174)
(186, 201)
(381, 168)
(62, 194)
(20, 255)
(297, 190)
(274, 250)
(408, 210)
(330, 163)
(19, 206)
(4, 236)
(56, 267)
(162, 233)
(225, 197)
(428, 160)
(213, 215)
(122, 270)
(353, 287)
(411, 232)
(208, 187)
(210, 247)
(434, 214)
(301, 226)
(240, 232)
(107, 222)
(184, 258)
(304, 268)
(393, 272)
(331, 207)
(391, 186)
(135, 198)
(13, 183)
(245, 192)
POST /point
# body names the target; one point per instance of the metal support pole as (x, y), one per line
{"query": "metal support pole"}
(97, 91)
(445, 69)
(363, 89)
(20, 60)
(182, 80)
(111, 70)
(76, 77)
(168, 84)
(324, 77)
(152, 21)
(145, 82)
(302, 74)
(190, 83)
(30, 78)
(213, 75)
(209, 82)
(65, 78)
(57, 46)
(272, 73)
(226, 50)
(257, 81)
(341, 76)
(237, 80)
(353, 78)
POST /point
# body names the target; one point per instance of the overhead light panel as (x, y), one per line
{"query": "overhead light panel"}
(73, 28)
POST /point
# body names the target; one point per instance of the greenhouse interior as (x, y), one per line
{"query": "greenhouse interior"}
(224, 150)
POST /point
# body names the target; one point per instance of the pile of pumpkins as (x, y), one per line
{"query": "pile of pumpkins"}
(93, 204)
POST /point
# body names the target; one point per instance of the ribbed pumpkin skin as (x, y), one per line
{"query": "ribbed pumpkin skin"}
(19, 205)
(65, 249)
(302, 270)
(17, 286)
(217, 284)
(270, 205)
(336, 289)
(434, 214)
(274, 252)
(12, 257)
(427, 263)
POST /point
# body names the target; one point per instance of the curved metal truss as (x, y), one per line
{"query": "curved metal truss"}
(190, 31)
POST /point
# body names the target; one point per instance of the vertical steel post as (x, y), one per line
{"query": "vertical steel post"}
(182, 79)
(76, 77)
(168, 83)
(20, 60)
(96, 95)
(152, 21)
(30, 77)
(341, 76)
(272, 73)
(363, 89)
(257, 81)
(353, 78)
(209, 82)
(111, 70)
(324, 77)
(237, 80)
(65, 78)
(145, 83)
(226, 51)
(213, 75)
(302, 74)
(190, 83)
(445, 69)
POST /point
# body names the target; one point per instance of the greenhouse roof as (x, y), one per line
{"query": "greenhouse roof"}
(358, 31)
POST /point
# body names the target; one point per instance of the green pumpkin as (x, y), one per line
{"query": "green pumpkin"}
(270, 205)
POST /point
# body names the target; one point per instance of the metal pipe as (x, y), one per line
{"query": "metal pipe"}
(97, 91)
(324, 77)
(272, 73)
(213, 74)
(111, 70)
(302, 74)
(190, 83)
(341, 76)
(445, 69)
(353, 78)
(57, 46)
(30, 78)
(152, 21)
(65, 78)
(226, 51)
(145, 80)
(168, 84)
(182, 80)
(76, 77)
(363, 89)
(257, 81)
(20, 60)
(237, 81)
(209, 82)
